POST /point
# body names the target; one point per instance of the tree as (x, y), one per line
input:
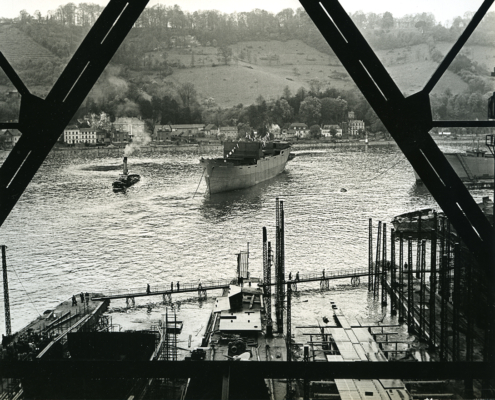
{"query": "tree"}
(316, 85)
(315, 132)
(332, 110)
(387, 21)
(287, 94)
(310, 110)
(187, 93)
(225, 53)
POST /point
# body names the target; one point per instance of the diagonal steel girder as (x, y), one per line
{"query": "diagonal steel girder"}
(43, 121)
(409, 119)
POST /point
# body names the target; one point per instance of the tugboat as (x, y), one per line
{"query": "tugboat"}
(125, 179)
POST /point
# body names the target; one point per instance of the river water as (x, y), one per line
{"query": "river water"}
(70, 232)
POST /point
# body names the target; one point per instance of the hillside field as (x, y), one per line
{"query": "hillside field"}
(242, 82)
(265, 67)
(16, 45)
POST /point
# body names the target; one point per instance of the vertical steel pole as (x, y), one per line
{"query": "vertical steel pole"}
(377, 261)
(289, 322)
(418, 245)
(410, 286)
(282, 262)
(288, 339)
(370, 256)
(393, 272)
(278, 282)
(422, 293)
(456, 297)
(470, 313)
(265, 254)
(443, 291)
(433, 283)
(8, 326)
(306, 380)
(401, 277)
(266, 277)
(385, 266)
(268, 287)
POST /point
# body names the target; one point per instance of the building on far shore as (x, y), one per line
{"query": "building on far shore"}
(211, 130)
(132, 125)
(9, 137)
(353, 126)
(298, 130)
(230, 132)
(326, 130)
(162, 133)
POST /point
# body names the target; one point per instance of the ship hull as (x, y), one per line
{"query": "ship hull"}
(224, 176)
(469, 168)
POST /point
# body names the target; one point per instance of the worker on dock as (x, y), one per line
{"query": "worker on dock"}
(87, 297)
(178, 286)
(199, 285)
(148, 289)
(323, 273)
(172, 286)
(74, 301)
(297, 276)
(290, 276)
(82, 297)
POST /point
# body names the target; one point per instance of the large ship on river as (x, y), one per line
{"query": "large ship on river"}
(474, 167)
(245, 164)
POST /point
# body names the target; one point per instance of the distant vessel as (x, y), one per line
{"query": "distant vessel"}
(409, 223)
(474, 167)
(245, 164)
(125, 179)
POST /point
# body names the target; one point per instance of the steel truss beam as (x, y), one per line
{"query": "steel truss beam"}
(266, 369)
(409, 119)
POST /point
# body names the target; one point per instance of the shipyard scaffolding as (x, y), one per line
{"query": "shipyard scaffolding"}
(435, 292)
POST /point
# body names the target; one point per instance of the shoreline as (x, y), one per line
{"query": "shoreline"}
(218, 148)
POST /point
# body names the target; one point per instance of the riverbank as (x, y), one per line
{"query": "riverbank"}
(218, 148)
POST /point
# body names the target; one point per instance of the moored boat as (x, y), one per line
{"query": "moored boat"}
(245, 164)
(474, 167)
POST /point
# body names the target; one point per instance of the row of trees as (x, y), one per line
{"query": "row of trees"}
(168, 24)
(182, 106)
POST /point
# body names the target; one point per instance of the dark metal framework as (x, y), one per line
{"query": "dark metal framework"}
(384, 266)
(407, 119)
(370, 256)
(8, 326)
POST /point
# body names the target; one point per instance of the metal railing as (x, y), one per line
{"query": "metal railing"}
(163, 288)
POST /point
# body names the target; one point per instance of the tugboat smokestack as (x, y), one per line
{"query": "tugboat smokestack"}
(125, 166)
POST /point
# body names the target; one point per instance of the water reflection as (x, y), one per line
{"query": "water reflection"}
(219, 206)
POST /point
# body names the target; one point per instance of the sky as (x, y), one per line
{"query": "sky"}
(443, 10)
